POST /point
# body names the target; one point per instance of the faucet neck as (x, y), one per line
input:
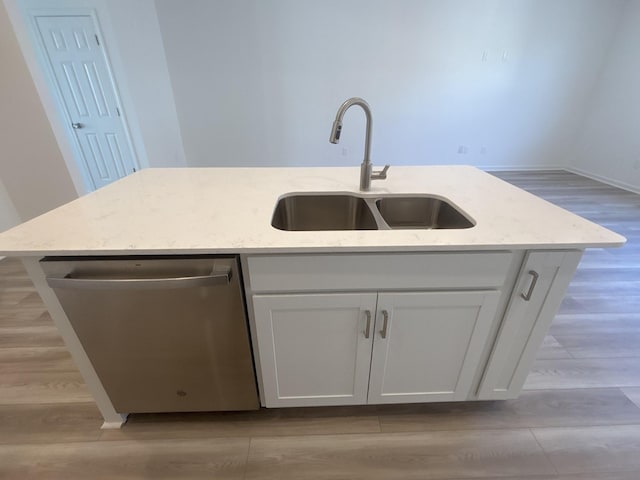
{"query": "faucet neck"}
(367, 111)
(366, 169)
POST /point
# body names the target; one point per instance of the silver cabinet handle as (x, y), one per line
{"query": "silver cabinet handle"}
(77, 126)
(385, 323)
(140, 283)
(367, 330)
(527, 296)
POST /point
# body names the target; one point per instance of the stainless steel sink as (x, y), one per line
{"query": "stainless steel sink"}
(345, 211)
(323, 212)
(421, 213)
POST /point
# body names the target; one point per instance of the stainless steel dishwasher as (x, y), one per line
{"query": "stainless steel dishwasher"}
(164, 334)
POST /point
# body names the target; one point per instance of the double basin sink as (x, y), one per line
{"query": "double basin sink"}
(348, 211)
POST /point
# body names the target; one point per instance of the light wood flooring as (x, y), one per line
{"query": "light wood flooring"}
(579, 417)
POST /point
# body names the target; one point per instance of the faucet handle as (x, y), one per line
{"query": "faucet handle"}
(380, 175)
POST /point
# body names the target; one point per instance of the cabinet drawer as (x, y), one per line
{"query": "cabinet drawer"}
(300, 273)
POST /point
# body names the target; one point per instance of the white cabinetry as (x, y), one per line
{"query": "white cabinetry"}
(316, 349)
(413, 327)
(398, 328)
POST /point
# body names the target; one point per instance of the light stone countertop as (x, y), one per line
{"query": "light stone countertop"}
(229, 210)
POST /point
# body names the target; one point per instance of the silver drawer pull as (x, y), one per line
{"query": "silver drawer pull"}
(140, 283)
(534, 280)
(367, 330)
(383, 332)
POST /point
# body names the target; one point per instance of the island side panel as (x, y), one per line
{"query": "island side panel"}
(248, 298)
(112, 419)
(532, 308)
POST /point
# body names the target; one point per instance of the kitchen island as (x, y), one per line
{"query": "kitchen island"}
(335, 316)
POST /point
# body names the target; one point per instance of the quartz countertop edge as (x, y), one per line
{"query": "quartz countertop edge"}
(174, 211)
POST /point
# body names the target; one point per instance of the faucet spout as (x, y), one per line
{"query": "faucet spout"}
(366, 174)
(337, 124)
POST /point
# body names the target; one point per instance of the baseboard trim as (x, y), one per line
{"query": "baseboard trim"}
(512, 168)
(600, 178)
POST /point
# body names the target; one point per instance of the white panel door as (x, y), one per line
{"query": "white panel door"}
(314, 349)
(427, 345)
(84, 83)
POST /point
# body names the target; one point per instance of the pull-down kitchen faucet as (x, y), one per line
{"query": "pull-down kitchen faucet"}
(366, 169)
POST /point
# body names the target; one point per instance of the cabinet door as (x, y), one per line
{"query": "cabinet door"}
(538, 292)
(314, 349)
(427, 349)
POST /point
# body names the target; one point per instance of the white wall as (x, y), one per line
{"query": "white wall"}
(608, 146)
(32, 169)
(144, 69)
(258, 82)
(8, 214)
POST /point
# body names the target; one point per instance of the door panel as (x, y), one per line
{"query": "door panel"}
(431, 345)
(82, 78)
(313, 349)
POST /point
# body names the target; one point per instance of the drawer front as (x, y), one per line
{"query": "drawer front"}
(300, 273)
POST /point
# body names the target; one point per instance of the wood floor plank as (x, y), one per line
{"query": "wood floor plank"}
(603, 277)
(591, 449)
(11, 265)
(581, 476)
(11, 298)
(43, 387)
(35, 359)
(551, 349)
(584, 373)
(49, 423)
(604, 345)
(620, 287)
(25, 317)
(432, 455)
(600, 304)
(543, 408)
(19, 282)
(38, 336)
(595, 324)
(633, 394)
(158, 459)
(266, 422)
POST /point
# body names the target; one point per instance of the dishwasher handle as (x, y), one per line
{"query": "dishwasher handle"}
(214, 279)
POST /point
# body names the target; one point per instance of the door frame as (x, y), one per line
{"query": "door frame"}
(56, 109)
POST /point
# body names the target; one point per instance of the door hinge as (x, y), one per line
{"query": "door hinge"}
(118, 111)
(134, 170)
(97, 40)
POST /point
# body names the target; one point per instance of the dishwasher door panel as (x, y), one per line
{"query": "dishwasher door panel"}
(164, 335)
